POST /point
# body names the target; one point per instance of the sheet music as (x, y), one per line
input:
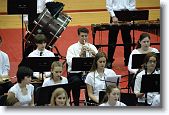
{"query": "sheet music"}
(112, 79)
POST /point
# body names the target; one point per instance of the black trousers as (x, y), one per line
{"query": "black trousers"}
(126, 38)
(76, 80)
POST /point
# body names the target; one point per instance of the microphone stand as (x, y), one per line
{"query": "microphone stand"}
(145, 67)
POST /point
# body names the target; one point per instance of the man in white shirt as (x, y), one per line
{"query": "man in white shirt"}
(119, 5)
(80, 49)
(40, 40)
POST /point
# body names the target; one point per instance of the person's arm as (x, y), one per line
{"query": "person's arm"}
(90, 93)
(6, 66)
(109, 6)
(137, 87)
(12, 100)
(32, 101)
(32, 95)
(132, 5)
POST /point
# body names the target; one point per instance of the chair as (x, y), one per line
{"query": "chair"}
(3, 100)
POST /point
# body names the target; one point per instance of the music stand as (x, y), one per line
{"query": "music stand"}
(132, 15)
(39, 64)
(150, 83)
(43, 94)
(138, 59)
(21, 7)
(82, 63)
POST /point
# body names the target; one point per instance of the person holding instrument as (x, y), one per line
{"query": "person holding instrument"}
(119, 5)
(80, 49)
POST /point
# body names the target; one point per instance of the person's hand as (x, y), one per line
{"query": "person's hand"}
(114, 19)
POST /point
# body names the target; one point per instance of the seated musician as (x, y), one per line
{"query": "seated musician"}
(80, 49)
(149, 67)
(112, 97)
(96, 78)
(59, 98)
(41, 51)
(143, 47)
(5, 83)
(56, 78)
(119, 5)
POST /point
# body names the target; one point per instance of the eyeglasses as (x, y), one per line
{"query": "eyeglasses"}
(152, 61)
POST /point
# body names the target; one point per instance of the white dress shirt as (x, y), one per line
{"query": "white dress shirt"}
(4, 64)
(49, 81)
(136, 51)
(23, 99)
(117, 5)
(118, 103)
(74, 51)
(97, 82)
(137, 88)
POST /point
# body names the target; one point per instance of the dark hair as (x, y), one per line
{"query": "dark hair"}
(97, 57)
(147, 57)
(82, 29)
(40, 38)
(142, 36)
(22, 72)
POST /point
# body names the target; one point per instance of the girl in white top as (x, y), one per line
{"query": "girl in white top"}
(23, 90)
(112, 96)
(95, 80)
(149, 62)
(56, 78)
(143, 47)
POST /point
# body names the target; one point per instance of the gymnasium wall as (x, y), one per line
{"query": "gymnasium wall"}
(83, 12)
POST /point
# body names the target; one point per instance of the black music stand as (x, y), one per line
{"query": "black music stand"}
(21, 7)
(39, 64)
(43, 94)
(82, 63)
(138, 59)
(150, 83)
(126, 15)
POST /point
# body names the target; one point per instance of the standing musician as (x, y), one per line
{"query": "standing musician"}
(119, 5)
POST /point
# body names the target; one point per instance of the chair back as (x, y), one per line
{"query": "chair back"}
(3, 100)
